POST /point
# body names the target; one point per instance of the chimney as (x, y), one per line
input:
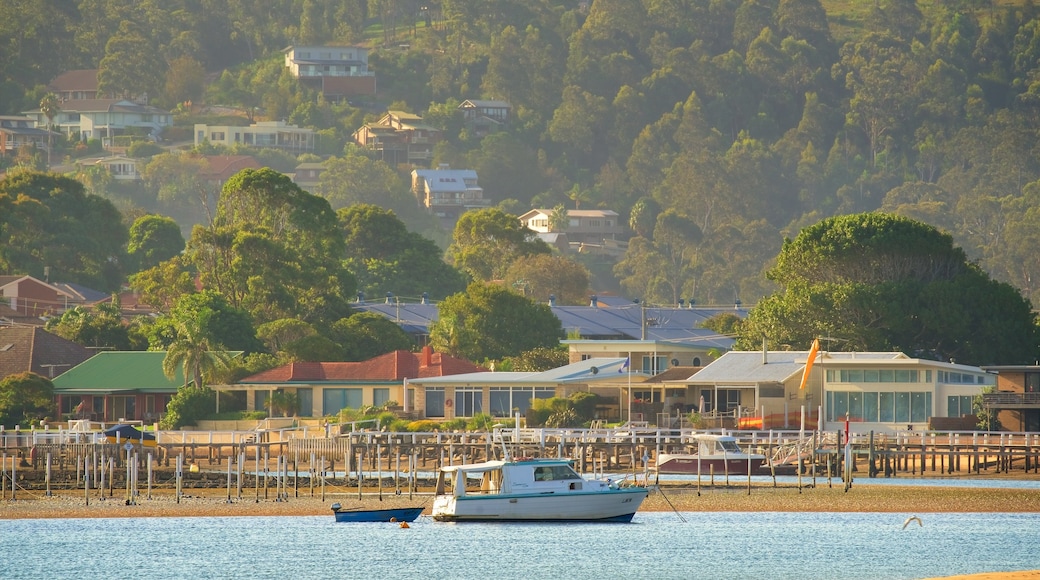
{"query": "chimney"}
(552, 300)
(425, 298)
(360, 297)
(593, 301)
(427, 355)
(765, 352)
(389, 297)
(681, 302)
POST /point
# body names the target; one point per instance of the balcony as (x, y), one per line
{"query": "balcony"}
(1007, 400)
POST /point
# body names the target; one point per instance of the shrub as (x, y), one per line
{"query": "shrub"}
(188, 406)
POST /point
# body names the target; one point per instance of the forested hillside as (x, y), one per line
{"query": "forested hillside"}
(719, 126)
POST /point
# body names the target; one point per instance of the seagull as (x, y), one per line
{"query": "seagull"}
(912, 519)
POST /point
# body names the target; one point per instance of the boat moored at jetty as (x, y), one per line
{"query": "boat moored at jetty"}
(405, 514)
(531, 490)
(716, 453)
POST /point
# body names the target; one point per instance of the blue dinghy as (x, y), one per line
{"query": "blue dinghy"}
(407, 514)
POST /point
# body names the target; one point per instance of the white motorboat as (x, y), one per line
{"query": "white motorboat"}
(718, 454)
(531, 490)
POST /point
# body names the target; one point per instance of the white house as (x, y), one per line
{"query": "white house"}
(878, 391)
(582, 225)
(337, 71)
(273, 134)
(105, 118)
(448, 192)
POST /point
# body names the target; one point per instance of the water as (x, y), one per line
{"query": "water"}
(766, 545)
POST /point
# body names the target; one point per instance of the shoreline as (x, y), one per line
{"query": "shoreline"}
(34, 504)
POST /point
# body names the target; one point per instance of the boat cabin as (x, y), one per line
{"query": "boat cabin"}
(504, 477)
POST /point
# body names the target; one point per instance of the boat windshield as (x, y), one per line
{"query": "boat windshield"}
(554, 473)
(729, 446)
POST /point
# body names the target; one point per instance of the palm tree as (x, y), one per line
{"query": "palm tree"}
(50, 106)
(558, 219)
(193, 352)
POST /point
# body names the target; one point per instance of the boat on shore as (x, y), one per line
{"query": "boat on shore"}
(531, 490)
(405, 514)
(718, 454)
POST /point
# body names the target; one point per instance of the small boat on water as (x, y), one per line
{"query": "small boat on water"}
(718, 454)
(406, 514)
(528, 490)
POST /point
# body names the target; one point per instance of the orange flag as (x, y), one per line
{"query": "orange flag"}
(808, 364)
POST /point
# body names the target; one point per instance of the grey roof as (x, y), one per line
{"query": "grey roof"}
(670, 324)
(588, 370)
(752, 367)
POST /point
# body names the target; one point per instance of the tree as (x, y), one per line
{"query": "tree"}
(99, 327)
(546, 275)
(132, 65)
(162, 285)
(385, 257)
(357, 179)
(50, 106)
(491, 322)
(882, 282)
(365, 335)
(486, 241)
(48, 221)
(154, 239)
(274, 250)
(194, 353)
(209, 318)
(185, 81)
(25, 399)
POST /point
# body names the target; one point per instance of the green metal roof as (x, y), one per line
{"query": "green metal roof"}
(111, 371)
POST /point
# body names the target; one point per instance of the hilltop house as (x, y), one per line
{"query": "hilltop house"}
(272, 134)
(448, 193)
(75, 85)
(17, 132)
(338, 72)
(105, 118)
(1016, 400)
(582, 226)
(399, 138)
(482, 118)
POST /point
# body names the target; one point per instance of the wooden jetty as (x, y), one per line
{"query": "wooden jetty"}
(46, 459)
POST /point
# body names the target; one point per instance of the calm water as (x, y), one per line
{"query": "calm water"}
(801, 546)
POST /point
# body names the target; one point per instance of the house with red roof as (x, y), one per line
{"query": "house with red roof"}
(324, 388)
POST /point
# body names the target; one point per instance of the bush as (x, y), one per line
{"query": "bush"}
(188, 406)
(480, 422)
(584, 405)
(141, 149)
(424, 426)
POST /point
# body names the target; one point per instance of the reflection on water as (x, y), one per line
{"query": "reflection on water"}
(796, 546)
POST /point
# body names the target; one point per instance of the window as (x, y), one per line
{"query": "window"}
(468, 402)
(959, 405)
(216, 136)
(380, 396)
(434, 402)
(654, 364)
(886, 407)
(335, 399)
(305, 401)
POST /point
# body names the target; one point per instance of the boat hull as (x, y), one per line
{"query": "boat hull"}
(688, 464)
(614, 505)
(387, 515)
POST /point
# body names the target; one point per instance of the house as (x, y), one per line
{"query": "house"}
(482, 118)
(120, 167)
(17, 132)
(117, 386)
(582, 225)
(338, 72)
(105, 118)
(272, 134)
(33, 349)
(324, 388)
(1016, 401)
(75, 85)
(501, 394)
(220, 168)
(881, 392)
(308, 175)
(400, 138)
(448, 193)
(27, 300)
